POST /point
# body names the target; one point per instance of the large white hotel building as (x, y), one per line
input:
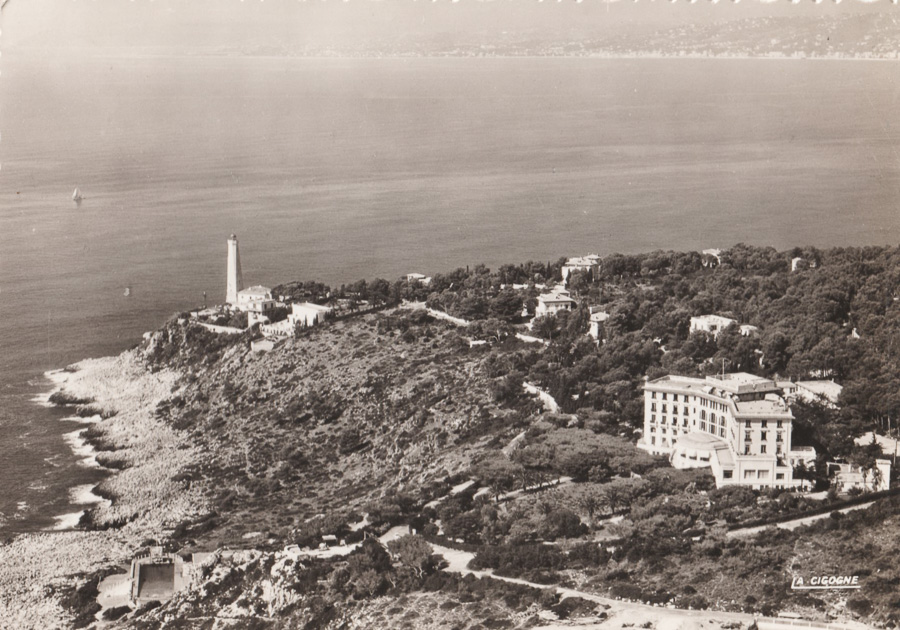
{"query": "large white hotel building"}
(737, 424)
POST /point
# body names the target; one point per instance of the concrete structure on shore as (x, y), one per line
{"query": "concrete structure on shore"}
(156, 576)
(235, 280)
(284, 328)
(739, 425)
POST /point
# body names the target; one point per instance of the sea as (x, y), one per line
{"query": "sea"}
(341, 169)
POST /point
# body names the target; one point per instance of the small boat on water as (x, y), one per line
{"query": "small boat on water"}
(127, 291)
(77, 196)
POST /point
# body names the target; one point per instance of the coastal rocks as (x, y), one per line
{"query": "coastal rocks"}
(150, 451)
(145, 499)
(239, 586)
(37, 566)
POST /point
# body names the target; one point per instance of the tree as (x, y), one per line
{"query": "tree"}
(508, 389)
(413, 552)
(368, 582)
(239, 320)
(561, 523)
(536, 461)
(590, 501)
(579, 282)
(545, 326)
(380, 291)
(617, 494)
(507, 305)
(498, 473)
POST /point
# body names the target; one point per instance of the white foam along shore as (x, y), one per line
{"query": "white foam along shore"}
(147, 500)
(81, 448)
(79, 495)
(57, 377)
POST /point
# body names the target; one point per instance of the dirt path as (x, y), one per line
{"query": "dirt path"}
(794, 524)
(623, 614)
(435, 313)
(549, 402)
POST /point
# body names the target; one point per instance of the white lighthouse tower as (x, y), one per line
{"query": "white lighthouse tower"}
(235, 281)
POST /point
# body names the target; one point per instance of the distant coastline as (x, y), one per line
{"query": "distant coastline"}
(94, 53)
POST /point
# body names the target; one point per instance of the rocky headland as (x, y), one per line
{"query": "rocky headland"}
(324, 474)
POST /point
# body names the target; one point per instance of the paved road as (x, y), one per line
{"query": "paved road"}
(458, 563)
(797, 522)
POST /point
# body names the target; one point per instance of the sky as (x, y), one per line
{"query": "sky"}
(186, 24)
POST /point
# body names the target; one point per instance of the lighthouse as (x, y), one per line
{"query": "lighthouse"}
(235, 280)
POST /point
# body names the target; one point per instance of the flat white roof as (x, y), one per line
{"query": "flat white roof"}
(716, 319)
(742, 382)
(698, 439)
(554, 297)
(590, 259)
(766, 408)
(828, 389)
(310, 307)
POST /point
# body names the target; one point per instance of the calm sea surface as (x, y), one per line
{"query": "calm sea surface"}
(344, 169)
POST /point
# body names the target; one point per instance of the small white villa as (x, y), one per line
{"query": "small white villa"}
(845, 477)
(308, 314)
(598, 318)
(711, 257)
(418, 278)
(554, 302)
(714, 324)
(591, 263)
(257, 302)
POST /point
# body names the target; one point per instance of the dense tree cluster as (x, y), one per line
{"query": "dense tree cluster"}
(834, 317)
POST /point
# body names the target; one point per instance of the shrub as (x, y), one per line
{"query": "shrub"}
(147, 607)
(860, 606)
(62, 398)
(515, 560)
(111, 614)
(626, 591)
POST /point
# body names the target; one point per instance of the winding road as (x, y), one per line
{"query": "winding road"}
(458, 562)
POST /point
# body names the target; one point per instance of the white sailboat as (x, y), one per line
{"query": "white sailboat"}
(77, 196)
